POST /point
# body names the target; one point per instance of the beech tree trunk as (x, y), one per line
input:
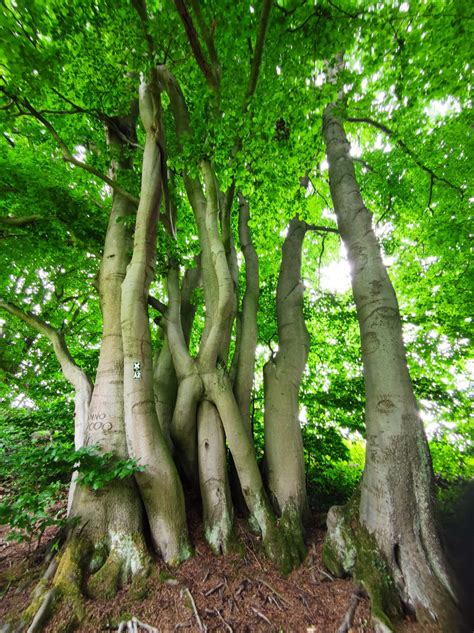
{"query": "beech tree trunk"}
(284, 459)
(159, 483)
(113, 519)
(247, 335)
(395, 511)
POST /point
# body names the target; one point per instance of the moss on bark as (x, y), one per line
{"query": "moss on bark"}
(349, 549)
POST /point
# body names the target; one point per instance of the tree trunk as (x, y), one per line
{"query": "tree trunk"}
(284, 460)
(248, 334)
(159, 483)
(164, 374)
(217, 510)
(396, 511)
(108, 542)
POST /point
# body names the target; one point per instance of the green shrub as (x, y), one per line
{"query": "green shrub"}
(37, 457)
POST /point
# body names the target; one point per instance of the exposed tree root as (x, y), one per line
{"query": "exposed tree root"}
(113, 562)
(188, 594)
(349, 550)
(348, 619)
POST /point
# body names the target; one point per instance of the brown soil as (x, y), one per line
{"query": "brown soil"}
(242, 593)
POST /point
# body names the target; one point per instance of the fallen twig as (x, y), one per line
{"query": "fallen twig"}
(325, 573)
(209, 592)
(272, 600)
(261, 616)
(202, 627)
(226, 624)
(273, 590)
(243, 585)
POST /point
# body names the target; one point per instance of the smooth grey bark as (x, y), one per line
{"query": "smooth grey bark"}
(396, 502)
(284, 460)
(219, 299)
(165, 389)
(113, 519)
(108, 543)
(217, 510)
(159, 483)
(164, 374)
(247, 331)
(219, 296)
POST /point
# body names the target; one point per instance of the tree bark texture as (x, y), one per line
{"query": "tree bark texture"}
(396, 498)
(159, 483)
(113, 519)
(247, 335)
(284, 460)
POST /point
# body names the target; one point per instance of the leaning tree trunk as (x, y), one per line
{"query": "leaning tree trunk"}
(395, 515)
(159, 482)
(284, 460)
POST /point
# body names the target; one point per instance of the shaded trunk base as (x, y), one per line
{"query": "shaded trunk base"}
(89, 568)
(350, 550)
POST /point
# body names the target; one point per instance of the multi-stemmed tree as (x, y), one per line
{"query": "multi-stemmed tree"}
(198, 127)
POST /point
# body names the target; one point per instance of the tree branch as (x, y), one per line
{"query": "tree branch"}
(158, 305)
(67, 154)
(72, 372)
(193, 38)
(403, 146)
(321, 229)
(208, 36)
(140, 8)
(22, 221)
(8, 140)
(258, 53)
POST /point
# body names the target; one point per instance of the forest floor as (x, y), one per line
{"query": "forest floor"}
(242, 593)
(236, 592)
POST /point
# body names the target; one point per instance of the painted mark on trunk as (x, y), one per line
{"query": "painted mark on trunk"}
(137, 370)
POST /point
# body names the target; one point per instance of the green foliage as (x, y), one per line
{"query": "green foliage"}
(333, 466)
(37, 457)
(407, 67)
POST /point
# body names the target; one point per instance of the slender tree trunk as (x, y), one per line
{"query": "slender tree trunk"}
(284, 460)
(159, 483)
(243, 383)
(396, 498)
(164, 377)
(165, 389)
(217, 510)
